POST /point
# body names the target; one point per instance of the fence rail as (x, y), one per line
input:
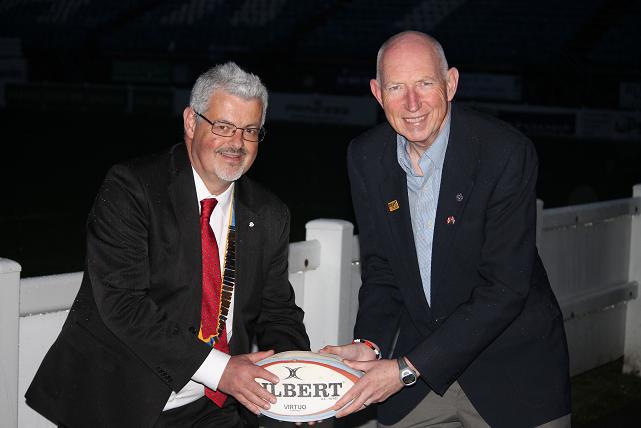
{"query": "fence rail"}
(592, 254)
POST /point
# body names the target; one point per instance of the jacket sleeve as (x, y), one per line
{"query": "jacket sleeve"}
(118, 236)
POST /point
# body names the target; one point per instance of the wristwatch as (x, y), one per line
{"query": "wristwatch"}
(407, 375)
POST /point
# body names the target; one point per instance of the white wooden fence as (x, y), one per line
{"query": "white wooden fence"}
(592, 254)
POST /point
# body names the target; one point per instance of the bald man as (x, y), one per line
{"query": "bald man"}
(453, 291)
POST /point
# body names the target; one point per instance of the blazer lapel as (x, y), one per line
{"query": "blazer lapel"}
(457, 181)
(393, 190)
(182, 193)
(246, 225)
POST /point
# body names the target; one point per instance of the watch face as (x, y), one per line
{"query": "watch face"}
(409, 379)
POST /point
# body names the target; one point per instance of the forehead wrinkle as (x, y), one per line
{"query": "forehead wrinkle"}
(233, 105)
(400, 72)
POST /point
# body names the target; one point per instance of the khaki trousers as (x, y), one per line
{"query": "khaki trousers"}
(453, 410)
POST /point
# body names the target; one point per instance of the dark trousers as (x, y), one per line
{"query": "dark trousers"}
(199, 414)
(202, 413)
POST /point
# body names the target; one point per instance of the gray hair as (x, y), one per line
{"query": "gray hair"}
(232, 79)
(438, 49)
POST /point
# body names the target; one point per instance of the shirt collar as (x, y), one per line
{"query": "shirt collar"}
(202, 192)
(434, 154)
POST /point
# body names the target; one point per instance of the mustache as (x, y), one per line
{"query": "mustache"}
(231, 151)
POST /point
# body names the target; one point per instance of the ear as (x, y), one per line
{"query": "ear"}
(189, 122)
(376, 91)
(452, 83)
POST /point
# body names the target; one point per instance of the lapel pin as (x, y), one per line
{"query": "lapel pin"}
(251, 224)
(392, 205)
(451, 220)
(459, 197)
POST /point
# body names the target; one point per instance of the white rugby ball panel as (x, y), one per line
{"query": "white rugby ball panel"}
(310, 384)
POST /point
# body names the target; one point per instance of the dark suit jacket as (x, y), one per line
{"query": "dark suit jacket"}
(494, 324)
(131, 335)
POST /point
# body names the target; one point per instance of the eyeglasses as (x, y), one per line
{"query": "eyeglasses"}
(226, 129)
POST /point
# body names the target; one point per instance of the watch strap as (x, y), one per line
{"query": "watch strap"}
(405, 370)
(402, 364)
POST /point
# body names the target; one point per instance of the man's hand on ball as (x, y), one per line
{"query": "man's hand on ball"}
(380, 381)
(238, 380)
(352, 351)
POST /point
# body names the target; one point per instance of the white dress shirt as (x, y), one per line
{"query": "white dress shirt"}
(211, 370)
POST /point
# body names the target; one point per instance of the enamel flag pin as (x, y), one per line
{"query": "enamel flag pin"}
(392, 205)
(451, 220)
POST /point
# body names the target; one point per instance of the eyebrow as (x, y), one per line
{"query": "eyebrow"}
(229, 122)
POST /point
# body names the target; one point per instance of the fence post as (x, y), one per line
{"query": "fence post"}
(9, 336)
(632, 349)
(327, 288)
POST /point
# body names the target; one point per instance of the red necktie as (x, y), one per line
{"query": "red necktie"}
(212, 283)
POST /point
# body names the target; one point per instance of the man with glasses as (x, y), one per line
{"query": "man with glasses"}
(186, 266)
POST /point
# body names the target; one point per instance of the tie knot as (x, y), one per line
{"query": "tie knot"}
(207, 207)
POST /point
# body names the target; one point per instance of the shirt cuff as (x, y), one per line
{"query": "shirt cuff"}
(211, 370)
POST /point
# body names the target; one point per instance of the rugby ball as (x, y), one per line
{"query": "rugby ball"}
(310, 384)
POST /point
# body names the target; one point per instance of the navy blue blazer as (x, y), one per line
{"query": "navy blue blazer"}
(494, 324)
(131, 334)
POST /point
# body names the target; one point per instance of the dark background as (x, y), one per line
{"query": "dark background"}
(88, 84)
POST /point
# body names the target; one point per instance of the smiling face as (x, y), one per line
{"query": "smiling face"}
(414, 90)
(221, 160)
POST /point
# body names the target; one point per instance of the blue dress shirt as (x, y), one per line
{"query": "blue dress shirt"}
(423, 191)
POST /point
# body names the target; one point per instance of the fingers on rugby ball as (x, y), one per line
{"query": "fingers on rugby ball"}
(310, 385)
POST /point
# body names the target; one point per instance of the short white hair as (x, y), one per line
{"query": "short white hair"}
(232, 79)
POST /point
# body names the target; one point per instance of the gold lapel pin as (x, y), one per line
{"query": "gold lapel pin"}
(392, 205)
(451, 220)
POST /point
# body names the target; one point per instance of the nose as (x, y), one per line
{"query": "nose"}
(412, 102)
(236, 141)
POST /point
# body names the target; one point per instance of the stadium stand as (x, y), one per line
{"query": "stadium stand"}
(105, 79)
(620, 45)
